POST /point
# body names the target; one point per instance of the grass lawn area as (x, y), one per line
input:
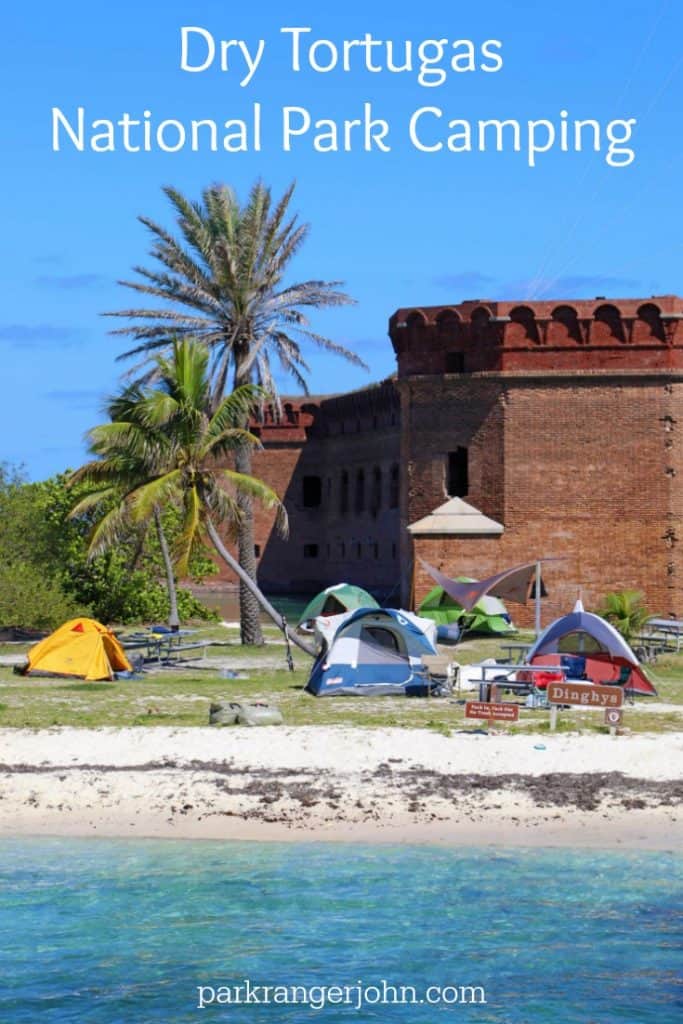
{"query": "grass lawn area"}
(180, 696)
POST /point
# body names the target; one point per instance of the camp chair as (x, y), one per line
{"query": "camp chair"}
(442, 671)
(574, 666)
(623, 680)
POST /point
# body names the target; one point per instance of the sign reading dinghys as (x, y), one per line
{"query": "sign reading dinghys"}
(585, 695)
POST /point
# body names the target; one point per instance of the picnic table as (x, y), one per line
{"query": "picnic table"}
(501, 677)
(670, 631)
(516, 651)
(163, 647)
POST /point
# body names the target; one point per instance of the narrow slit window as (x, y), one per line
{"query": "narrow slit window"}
(312, 491)
(344, 494)
(376, 501)
(394, 487)
(457, 470)
(360, 492)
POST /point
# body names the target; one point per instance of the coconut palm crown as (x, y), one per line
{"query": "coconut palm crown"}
(222, 283)
(166, 443)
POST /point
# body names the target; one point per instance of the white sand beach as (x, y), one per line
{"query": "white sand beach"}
(343, 784)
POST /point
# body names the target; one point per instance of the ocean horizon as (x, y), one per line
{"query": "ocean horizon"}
(146, 931)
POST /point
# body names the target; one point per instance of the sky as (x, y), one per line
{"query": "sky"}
(399, 228)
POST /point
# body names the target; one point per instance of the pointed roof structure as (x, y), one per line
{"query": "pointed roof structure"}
(456, 517)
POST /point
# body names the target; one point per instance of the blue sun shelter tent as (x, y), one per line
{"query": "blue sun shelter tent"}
(372, 652)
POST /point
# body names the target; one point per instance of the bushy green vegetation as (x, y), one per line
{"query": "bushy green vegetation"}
(28, 599)
(46, 576)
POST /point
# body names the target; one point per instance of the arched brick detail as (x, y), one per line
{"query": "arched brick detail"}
(564, 327)
(523, 326)
(648, 326)
(607, 326)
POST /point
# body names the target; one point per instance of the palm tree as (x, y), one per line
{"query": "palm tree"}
(626, 612)
(124, 460)
(173, 428)
(222, 283)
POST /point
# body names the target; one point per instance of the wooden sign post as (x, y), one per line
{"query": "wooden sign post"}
(613, 718)
(586, 695)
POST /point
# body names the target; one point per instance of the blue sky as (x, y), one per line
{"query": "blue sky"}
(398, 228)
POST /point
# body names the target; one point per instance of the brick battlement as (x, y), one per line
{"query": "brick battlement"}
(290, 424)
(480, 336)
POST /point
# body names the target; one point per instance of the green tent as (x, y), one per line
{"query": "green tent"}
(489, 615)
(343, 597)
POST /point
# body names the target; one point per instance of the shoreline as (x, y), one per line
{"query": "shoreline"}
(647, 833)
(342, 784)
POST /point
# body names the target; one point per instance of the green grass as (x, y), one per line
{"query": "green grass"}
(181, 697)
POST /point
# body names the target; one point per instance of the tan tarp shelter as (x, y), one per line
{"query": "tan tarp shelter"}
(514, 584)
(82, 648)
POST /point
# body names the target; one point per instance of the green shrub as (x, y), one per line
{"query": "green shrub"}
(48, 576)
(30, 600)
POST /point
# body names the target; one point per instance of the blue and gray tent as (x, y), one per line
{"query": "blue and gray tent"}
(372, 652)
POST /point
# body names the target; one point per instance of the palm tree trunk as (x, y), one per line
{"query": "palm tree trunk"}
(253, 589)
(250, 622)
(173, 618)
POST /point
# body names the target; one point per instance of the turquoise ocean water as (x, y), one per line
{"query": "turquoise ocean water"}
(123, 932)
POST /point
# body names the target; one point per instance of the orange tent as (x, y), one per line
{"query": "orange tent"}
(82, 648)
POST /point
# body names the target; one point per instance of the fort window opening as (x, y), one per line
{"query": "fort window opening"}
(359, 550)
(393, 487)
(310, 550)
(376, 500)
(257, 550)
(312, 491)
(457, 470)
(344, 494)
(360, 492)
(455, 362)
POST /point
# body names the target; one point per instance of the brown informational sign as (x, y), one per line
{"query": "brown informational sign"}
(613, 717)
(586, 695)
(488, 709)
